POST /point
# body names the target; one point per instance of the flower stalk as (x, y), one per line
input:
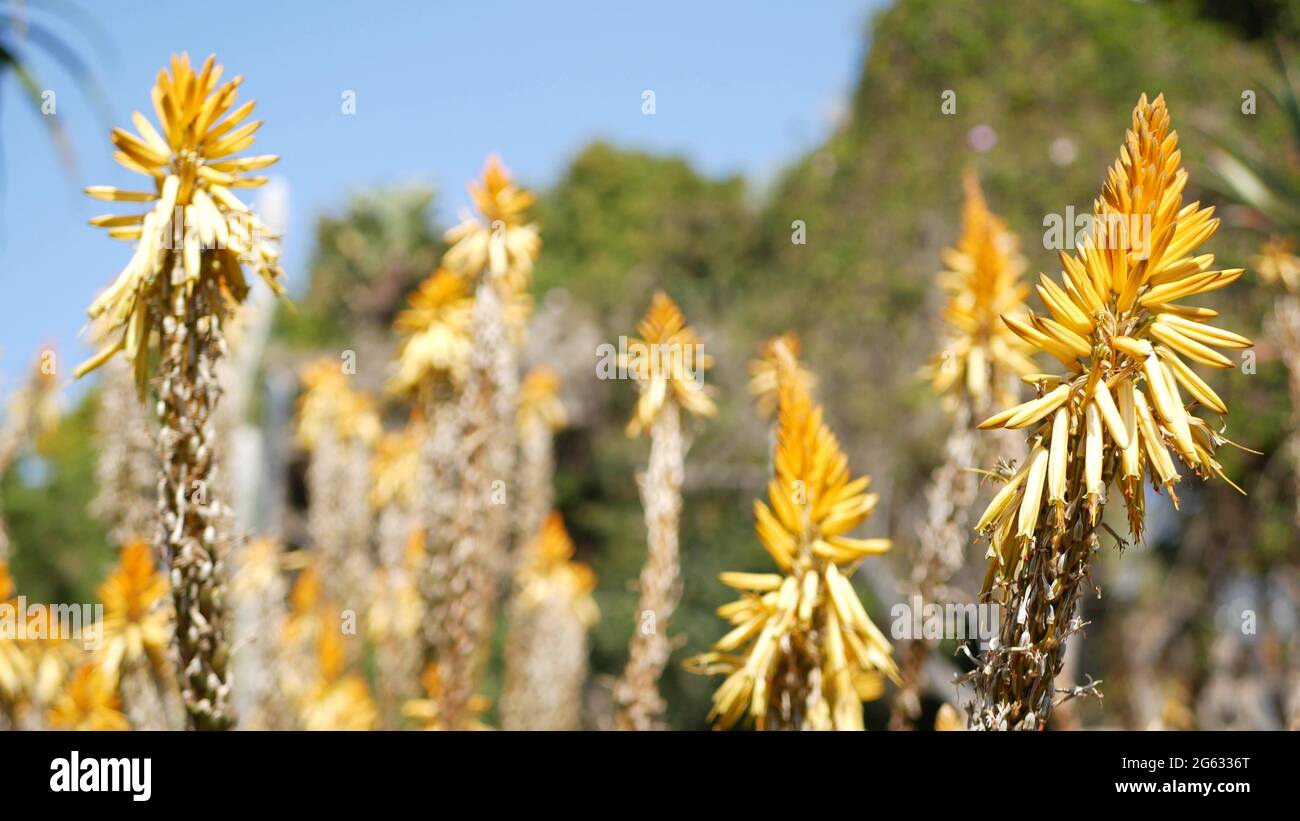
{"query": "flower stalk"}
(667, 363)
(169, 305)
(1113, 417)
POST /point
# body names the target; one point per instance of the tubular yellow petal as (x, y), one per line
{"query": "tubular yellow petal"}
(1093, 452)
(1137, 349)
(1180, 426)
(1128, 414)
(108, 192)
(1002, 500)
(1190, 348)
(758, 582)
(1110, 414)
(1171, 291)
(808, 597)
(1196, 386)
(1031, 501)
(1038, 409)
(1058, 457)
(1206, 334)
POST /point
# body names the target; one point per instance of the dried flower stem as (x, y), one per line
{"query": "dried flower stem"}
(437, 486)
(398, 656)
(1016, 684)
(536, 481)
(637, 693)
(338, 480)
(942, 540)
(486, 455)
(191, 515)
(147, 701)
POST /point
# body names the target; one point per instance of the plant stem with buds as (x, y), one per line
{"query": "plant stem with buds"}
(191, 516)
(637, 693)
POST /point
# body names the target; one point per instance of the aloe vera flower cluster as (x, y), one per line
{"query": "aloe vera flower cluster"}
(983, 356)
(1115, 415)
(803, 653)
(193, 172)
(167, 309)
(668, 363)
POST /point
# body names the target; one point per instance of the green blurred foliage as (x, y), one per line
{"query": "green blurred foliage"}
(364, 263)
(60, 551)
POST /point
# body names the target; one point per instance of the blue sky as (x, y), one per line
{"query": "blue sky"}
(739, 87)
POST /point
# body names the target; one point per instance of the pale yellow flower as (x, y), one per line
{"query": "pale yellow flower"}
(763, 382)
(550, 570)
(137, 611)
(982, 356)
(192, 170)
(539, 400)
(89, 702)
(438, 333)
(668, 364)
(328, 402)
(1122, 407)
(803, 653)
(1277, 263)
(497, 241)
(424, 712)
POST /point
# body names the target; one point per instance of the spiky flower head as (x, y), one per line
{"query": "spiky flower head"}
(136, 611)
(89, 702)
(437, 330)
(550, 573)
(498, 241)
(329, 404)
(802, 652)
(197, 236)
(539, 401)
(668, 363)
(1278, 264)
(982, 358)
(1116, 412)
(763, 381)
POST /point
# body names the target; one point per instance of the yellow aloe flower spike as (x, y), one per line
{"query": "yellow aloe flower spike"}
(1134, 341)
(982, 357)
(803, 653)
(496, 240)
(437, 330)
(668, 363)
(1114, 415)
(197, 235)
